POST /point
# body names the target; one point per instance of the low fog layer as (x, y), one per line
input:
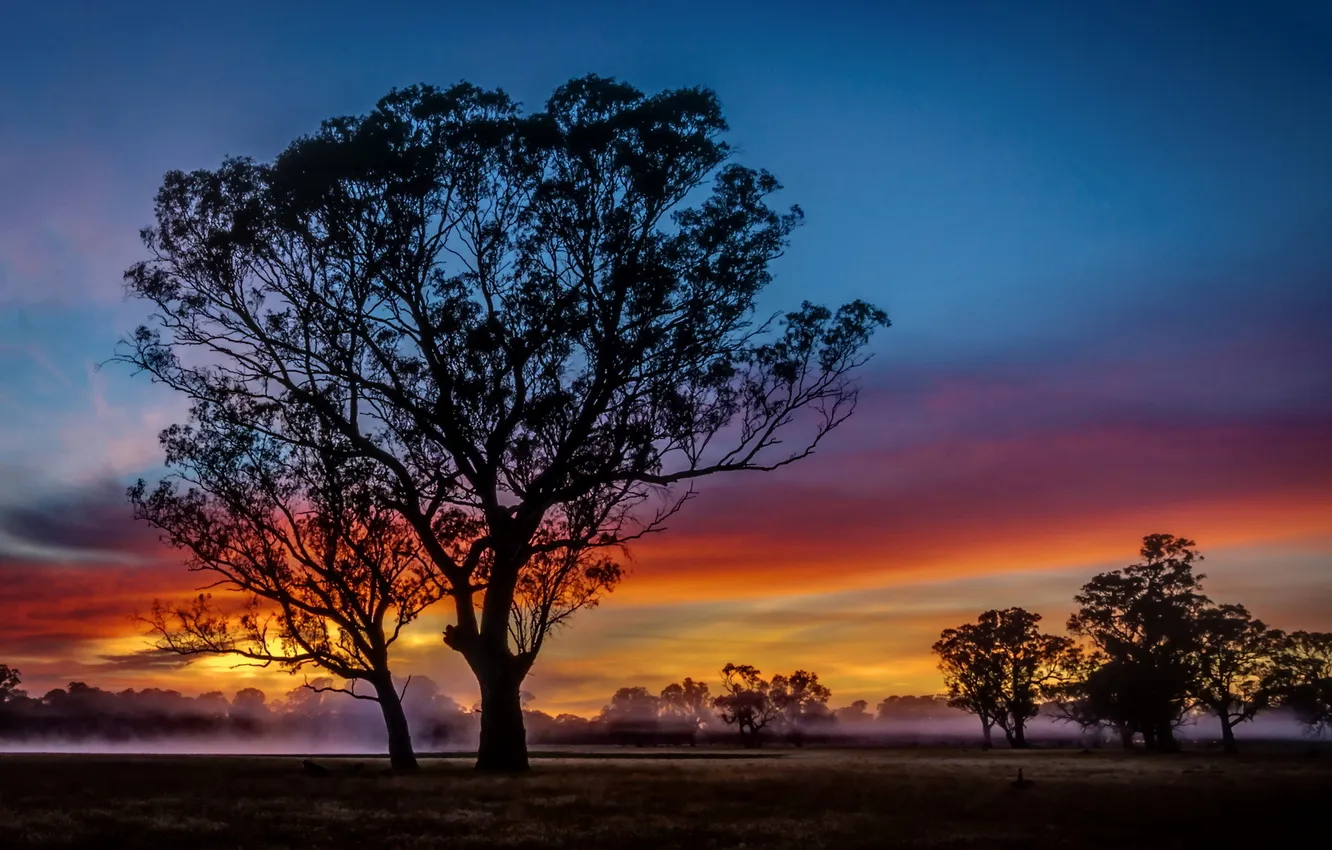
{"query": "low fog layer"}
(85, 719)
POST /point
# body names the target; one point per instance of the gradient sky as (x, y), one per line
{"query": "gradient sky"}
(1103, 231)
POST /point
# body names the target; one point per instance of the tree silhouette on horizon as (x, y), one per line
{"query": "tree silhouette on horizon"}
(538, 328)
(328, 575)
(1143, 622)
(1000, 668)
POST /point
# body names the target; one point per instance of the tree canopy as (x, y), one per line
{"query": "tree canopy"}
(1000, 668)
(746, 702)
(534, 326)
(1143, 619)
(1236, 654)
(328, 575)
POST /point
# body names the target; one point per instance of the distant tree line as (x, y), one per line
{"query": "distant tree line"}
(750, 710)
(1146, 651)
(81, 713)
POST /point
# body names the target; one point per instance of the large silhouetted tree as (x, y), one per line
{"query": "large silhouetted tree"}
(327, 575)
(534, 325)
(1143, 619)
(1000, 668)
(1235, 655)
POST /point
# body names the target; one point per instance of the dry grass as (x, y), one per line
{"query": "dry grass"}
(829, 798)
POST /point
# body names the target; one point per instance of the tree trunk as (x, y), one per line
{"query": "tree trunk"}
(1165, 738)
(1149, 737)
(1125, 735)
(1228, 734)
(503, 745)
(1018, 740)
(750, 739)
(503, 737)
(401, 755)
(987, 741)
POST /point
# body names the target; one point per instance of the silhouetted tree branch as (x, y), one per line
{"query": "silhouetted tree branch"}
(516, 319)
(329, 575)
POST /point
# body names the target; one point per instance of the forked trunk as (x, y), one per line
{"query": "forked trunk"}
(503, 738)
(401, 755)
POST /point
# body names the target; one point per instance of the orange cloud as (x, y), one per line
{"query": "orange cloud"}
(970, 507)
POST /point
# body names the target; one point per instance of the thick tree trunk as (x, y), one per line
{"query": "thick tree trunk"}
(401, 755)
(1165, 738)
(499, 673)
(1228, 734)
(1125, 736)
(1018, 740)
(503, 737)
(987, 741)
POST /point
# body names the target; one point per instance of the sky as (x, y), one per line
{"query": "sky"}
(1101, 231)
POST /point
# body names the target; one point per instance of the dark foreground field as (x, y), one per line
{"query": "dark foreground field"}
(828, 798)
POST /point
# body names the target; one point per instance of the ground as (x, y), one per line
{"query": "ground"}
(805, 799)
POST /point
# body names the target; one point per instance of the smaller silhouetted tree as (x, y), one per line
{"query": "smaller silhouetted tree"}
(9, 694)
(249, 709)
(687, 704)
(631, 703)
(1301, 678)
(1234, 660)
(631, 715)
(325, 573)
(746, 702)
(856, 712)
(1000, 668)
(801, 701)
(212, 705)
(9, 682)
(912, 708)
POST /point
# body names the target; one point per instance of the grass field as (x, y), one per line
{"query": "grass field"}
(804, 799)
